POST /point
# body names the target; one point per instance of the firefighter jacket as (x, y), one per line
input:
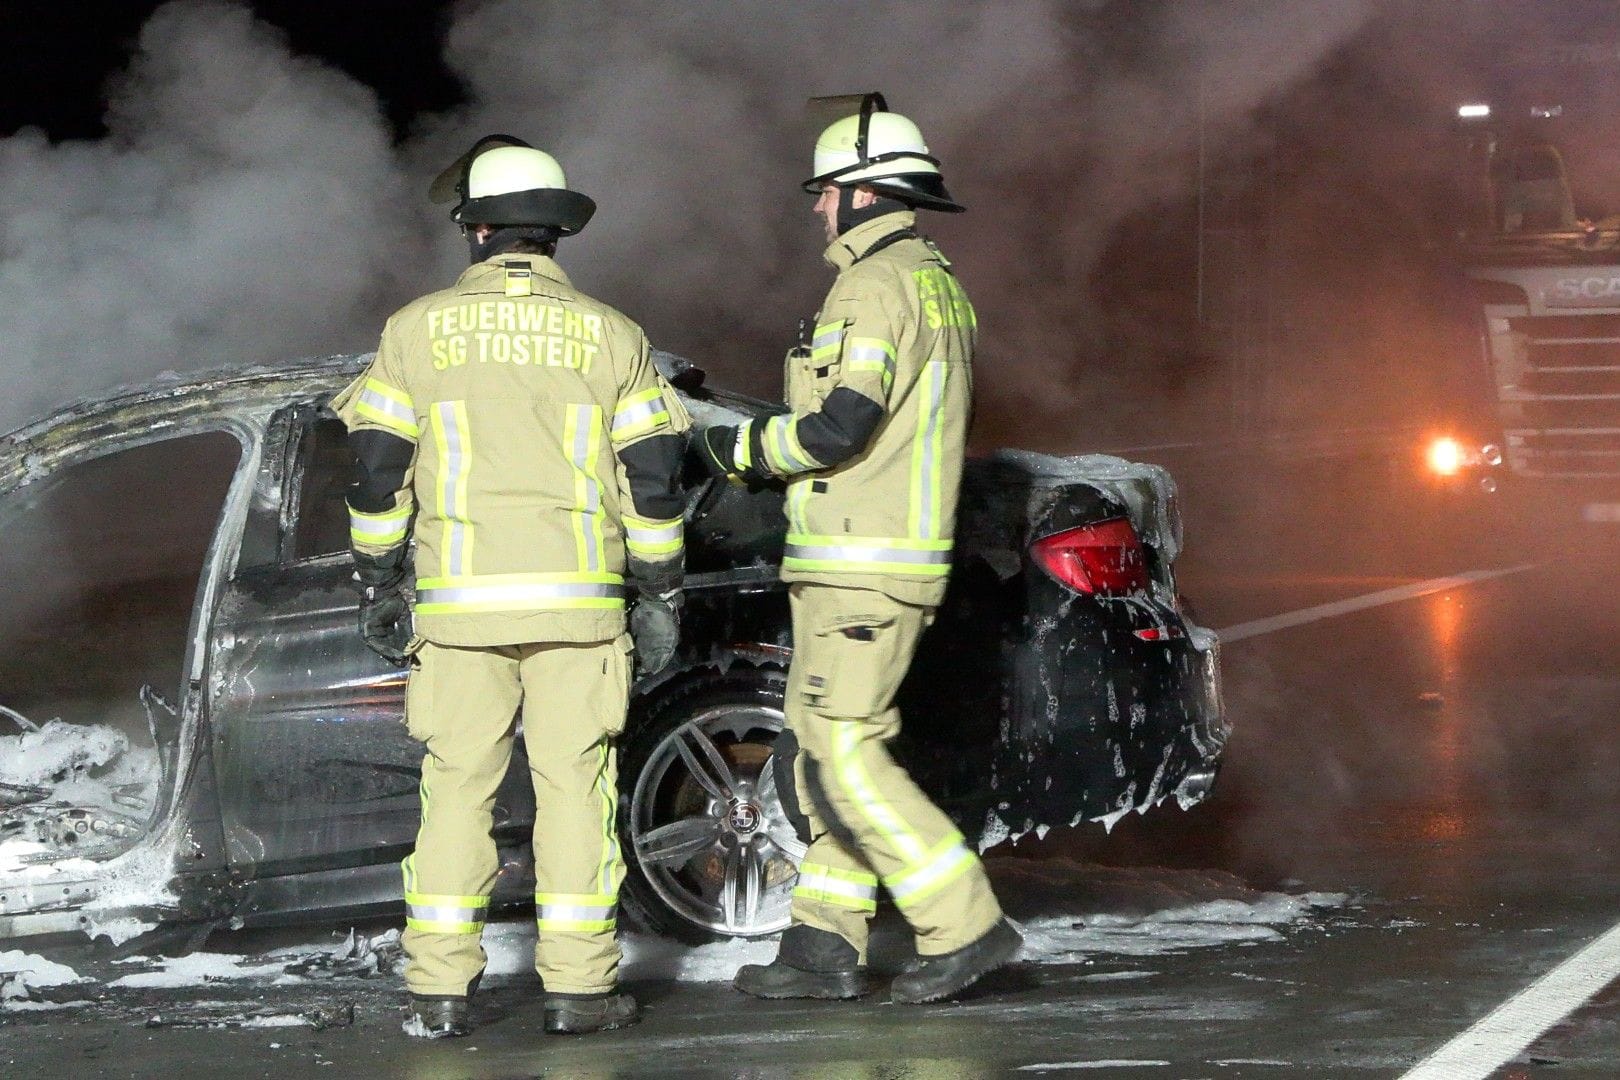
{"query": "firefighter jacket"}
(879, 397)
(524, 429)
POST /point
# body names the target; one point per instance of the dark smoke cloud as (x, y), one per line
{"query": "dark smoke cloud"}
(247, 204)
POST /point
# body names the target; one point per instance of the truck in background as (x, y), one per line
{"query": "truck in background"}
(1540, 252)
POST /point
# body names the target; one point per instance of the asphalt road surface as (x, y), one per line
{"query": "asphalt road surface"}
(1427, 708)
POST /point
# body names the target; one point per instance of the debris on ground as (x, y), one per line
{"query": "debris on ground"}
(358, 957)
(220, 1016)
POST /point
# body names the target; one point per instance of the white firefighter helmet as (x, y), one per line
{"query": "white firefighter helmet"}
(503, 180)
(884, 151)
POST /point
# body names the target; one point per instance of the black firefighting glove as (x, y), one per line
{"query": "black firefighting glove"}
(655, 620)
(385, 610)
(718, 448)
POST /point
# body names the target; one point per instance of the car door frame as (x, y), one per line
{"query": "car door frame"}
(179, 865)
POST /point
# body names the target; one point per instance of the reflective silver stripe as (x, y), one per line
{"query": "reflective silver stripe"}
(942, 867)
(379, 527)
(445, 913)
(826, 338)
(821, 883)
(928, 508)
(662, 534)
(454, 461)
(576, 913)
(851, 553)
(640, 413)
(584, 429)
(520, 593)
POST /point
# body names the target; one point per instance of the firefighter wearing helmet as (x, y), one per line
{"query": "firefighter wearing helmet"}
(518, 431)
(879, 391)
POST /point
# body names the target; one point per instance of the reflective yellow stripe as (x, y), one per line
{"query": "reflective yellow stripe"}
(859, 877)
(822, 884)
(445, 914)
(611, 859)
(927, 454)
(870, 354)
(867, 555)
(798, 496)
(389, 406)
(851, 774)
(639, 413)
(518, 592)
(653, 537)
(948, 861)
(828, 339)
(588, 913)
(441, 913)
(380, 530)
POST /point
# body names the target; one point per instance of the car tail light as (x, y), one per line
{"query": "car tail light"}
(1105, 559)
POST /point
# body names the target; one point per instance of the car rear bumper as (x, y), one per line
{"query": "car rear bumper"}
(1100, 721)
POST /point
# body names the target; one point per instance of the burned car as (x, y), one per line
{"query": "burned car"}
(191, 728)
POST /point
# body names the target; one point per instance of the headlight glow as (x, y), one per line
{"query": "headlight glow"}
(1446, 456)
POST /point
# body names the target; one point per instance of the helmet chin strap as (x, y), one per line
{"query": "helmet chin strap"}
(849, 217)
(504, 237)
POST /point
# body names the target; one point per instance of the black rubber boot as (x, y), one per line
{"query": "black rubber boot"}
(810, 963)
(581, 1014)
(943, 976)
(438, 1018)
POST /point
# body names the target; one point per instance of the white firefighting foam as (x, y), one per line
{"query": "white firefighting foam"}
(1070, 913)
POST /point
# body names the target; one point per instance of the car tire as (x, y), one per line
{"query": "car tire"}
(709, 851)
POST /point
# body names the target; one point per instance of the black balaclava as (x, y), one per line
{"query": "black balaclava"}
(504, 236)
(849, 217)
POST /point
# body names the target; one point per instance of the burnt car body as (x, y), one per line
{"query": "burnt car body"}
(282, 784)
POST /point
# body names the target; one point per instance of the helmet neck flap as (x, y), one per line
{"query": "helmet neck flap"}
(504, 238)
(849, 217)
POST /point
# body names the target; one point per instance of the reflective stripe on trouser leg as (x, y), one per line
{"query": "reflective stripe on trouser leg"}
(575, 701)
(823, 884)
(829, 848)
(460, 703)
(894, 828)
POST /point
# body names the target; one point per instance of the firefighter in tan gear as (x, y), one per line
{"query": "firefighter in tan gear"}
(879, 390)
(519, 431)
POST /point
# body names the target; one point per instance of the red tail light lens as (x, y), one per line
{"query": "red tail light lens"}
(1105, 559)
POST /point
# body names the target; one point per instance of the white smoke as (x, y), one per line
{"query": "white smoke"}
(248, 204)
(244, 207)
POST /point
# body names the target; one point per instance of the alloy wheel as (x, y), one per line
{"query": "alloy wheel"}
(710, 832)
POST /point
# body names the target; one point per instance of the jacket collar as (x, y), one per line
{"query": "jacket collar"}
(848, 249)
(489, 272)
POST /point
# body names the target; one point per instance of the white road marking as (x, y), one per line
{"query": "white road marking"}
(1290, 619)
(1111, 1063)
(1525, 1017)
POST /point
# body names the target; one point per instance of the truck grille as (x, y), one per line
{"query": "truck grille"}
(1559, 388)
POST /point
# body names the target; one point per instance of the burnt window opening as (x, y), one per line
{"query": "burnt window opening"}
(99, 567)
(322, 525)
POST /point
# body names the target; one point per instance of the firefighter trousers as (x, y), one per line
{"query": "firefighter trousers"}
(869, 822)
(462, 703)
